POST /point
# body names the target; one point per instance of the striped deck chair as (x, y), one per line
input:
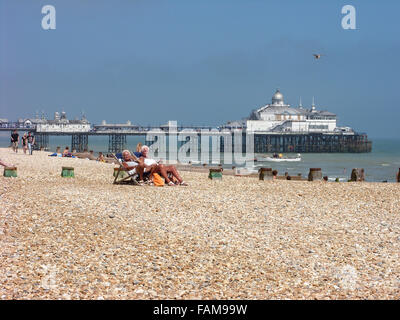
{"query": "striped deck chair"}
(129, 179)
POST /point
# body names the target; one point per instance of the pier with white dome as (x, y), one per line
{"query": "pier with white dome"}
(279, 127)
(276, 127)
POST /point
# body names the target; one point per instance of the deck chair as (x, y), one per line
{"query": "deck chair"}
(130, 179)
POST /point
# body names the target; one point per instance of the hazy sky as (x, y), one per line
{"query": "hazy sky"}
(200, 62)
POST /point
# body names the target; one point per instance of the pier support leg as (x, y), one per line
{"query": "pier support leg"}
(116, 142)
(41, 141)
(79, 142)
(311, 142)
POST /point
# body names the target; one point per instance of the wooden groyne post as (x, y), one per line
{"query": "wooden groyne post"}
(357, 175)
(265, 173)
(67, 172)
(10, 172)
(215, 173)
(315, 174)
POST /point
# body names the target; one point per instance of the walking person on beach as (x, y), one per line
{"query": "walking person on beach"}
(31, 142)
(15, 141)
(24, 140)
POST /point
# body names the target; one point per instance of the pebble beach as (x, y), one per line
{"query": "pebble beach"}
(238, 238)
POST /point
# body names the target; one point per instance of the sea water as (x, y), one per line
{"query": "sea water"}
(381, 164)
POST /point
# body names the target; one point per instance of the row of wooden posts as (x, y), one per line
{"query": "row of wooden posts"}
(315, 174)
(65, 172)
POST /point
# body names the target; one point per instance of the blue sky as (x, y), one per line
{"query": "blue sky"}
(200, 62)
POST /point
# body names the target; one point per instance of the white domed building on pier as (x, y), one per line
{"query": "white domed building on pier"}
(281, 117)
(61, 124)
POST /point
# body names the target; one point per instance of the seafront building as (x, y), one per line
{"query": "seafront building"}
(62, 124)
(278, 127)
(281, 117)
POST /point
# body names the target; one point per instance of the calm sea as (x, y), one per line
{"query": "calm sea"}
(380, 165)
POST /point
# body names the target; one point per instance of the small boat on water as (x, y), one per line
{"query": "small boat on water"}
(279, 158)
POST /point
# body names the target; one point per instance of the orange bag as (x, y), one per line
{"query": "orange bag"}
(158, 181)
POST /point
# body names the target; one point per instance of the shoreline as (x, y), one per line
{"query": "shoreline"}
(226, 171)
(380, 165)
(231, 172)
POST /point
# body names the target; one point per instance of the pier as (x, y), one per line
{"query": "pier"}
(282, 142)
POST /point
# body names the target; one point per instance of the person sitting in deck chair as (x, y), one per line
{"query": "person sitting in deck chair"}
(139, 168)
(168, 172)
(132, 165)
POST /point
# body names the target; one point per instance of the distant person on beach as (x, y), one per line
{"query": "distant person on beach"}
(85, 155)
(109, 158)
(31, 142)
(138, 152)
(274, 174)
(398, 176)
(66, 152)
(91, 155)
(57, 153)
(15, 141)
(101, 157)
(24, 140)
